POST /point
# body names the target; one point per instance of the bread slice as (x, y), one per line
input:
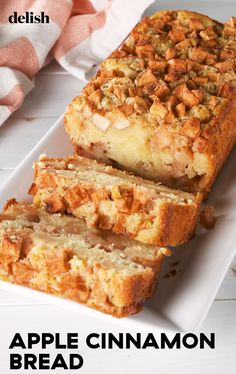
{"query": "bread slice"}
(114, 200)
(57, 254)
(163, 105)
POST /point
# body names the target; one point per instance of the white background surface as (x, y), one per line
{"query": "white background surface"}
(54, 90)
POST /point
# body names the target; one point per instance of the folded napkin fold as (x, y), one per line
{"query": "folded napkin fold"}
(79, 35)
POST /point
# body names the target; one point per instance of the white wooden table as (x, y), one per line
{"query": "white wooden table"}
(53, 91)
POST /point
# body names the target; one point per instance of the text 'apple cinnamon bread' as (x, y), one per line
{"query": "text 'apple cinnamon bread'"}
(115, 200)
(163, 105)
(57, 254)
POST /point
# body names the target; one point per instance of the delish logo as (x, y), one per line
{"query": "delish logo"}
(29, 17)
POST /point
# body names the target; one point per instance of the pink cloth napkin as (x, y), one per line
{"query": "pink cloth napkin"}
(80, 34)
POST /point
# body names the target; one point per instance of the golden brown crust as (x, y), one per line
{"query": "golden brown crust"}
(58, 255)
(113, 200)
(222, 139)
(170, 89)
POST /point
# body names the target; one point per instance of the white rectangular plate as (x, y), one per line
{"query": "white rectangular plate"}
(191, 277)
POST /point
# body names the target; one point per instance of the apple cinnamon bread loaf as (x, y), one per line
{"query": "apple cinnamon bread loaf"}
(163, 105)
(57, 254)
(111, 199)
